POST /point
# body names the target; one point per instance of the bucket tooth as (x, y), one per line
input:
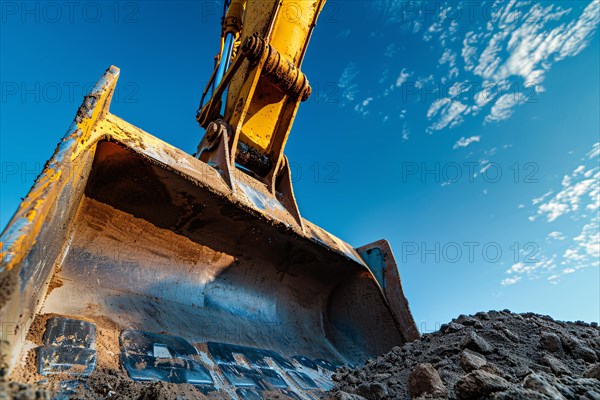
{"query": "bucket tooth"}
(148, 356)
(69, 348)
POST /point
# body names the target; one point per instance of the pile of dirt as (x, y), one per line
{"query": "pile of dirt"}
(489, 355)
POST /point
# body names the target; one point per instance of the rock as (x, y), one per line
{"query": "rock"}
(519, 393)
(425, 380)
(578, 349)
(550, 342)
(479, 384)
(541, 368)
(483, 315)
(469, 360)
(443, 351)
(454, 327)
(476, 343)
(592, 372)
(497, 325)
(555, 364)
(478, 325)
(492, 369)
(592, 395)
(466, 320)
(352, 379)
(372, 390)
(509, 334)
(542, 385)
(594, 324)
(585, 353)
(382, 377)
(346, 396)
(566, 391)
(581, 385)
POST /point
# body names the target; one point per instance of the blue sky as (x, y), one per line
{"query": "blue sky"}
(464, 133)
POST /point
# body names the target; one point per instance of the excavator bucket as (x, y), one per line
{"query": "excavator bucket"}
(132, 258)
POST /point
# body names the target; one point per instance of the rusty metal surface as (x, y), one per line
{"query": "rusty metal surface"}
(156, 240)
(382, 263)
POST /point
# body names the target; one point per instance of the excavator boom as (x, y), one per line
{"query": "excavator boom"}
(134, 261)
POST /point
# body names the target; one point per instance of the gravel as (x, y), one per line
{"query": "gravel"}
(489, 355)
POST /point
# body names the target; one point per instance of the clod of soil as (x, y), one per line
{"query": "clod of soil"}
(489, 355)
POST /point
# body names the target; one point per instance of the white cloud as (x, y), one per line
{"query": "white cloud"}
(595, 152)
(543, 197)
(484, 96)
(464, 142)
(533, 41)
(362, 107)
(580, 33)
(449, 112)
(448, 57)
(556, 235)
(469, 50)
(518, 45)
(510, 281)
(586, 248)
(580, 193)
(524, 43)
(581, 187)
(349, 89)
(405, 132)
(485, 164)
(423, 81)
(503, 108)
(553, 279)
(533, 268)
(403, 77)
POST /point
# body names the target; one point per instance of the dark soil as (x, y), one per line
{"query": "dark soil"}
(490, 355)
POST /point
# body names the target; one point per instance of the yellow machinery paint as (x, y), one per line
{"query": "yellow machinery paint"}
(265, 85)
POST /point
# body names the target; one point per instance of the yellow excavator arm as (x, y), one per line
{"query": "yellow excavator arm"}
(265, 87)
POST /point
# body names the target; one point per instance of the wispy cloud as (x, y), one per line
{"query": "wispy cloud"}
(595, 152)
(492, 65)
(343, 34)
(510, 281)
(579, 197)
(586, 246)
(533, 41)
(391, 50)
(448, 112)
(362, 106)
(579, 189)
(556, 235)
(346, 82)
(464, 142)
(532, 269)
(543, 197)
(403, 77)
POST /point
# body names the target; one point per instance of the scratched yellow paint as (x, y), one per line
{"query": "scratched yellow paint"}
(290, 37)
(34, 209)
